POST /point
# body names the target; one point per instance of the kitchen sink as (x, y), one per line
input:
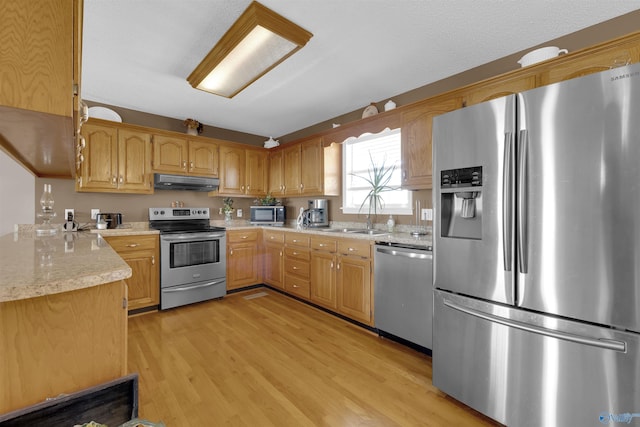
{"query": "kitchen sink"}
(369, 232)
(355, 231)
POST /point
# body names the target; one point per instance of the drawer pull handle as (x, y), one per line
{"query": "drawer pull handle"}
(295, 253)
(296, 286)
(244, 237)
(133, 245)
(296, 268)
(352, 250)
(322, 245)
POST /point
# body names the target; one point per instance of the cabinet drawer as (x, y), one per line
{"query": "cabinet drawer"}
(325, 244)
(132, 243)
(297, 267)
(355, 247)
(296, 239)
(242, 236)
(297, 286)
(271, 236)
(299, 254)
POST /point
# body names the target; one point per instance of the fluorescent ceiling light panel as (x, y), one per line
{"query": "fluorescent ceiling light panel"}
(258, 41)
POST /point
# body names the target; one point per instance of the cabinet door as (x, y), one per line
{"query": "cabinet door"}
(417, 164)
(99, 170)
(625, 50)
(323, 279)
(276, 173)
(242, 265)
(134, 162)
(292, 170)
(232, 171)
(170, 154)
(274, 265)
(38, 55)
(354, 288)
(311, 167)
(499, 88)
(141, 253)
(203, 158)
(256, 173)
(143, 285)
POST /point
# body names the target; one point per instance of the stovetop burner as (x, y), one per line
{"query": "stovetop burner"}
(181, 220)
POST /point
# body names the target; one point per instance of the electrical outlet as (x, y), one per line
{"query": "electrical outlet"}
(239, 213)
(67, 212)
(426, 214)
(94, 213)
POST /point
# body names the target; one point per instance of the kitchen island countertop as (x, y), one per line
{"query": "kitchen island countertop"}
(33, 266)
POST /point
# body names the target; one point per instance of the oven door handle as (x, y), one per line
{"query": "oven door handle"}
(192, 238)
(188, 288)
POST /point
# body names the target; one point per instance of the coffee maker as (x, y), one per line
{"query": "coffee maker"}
(317, 214)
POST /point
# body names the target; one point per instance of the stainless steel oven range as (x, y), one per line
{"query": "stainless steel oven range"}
(192, 256)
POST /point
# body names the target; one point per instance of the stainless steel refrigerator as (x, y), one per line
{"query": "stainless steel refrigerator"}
(537, 253)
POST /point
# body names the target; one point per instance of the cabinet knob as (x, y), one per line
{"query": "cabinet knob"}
(331, 266)
(338, 266)
(120, 179)
(301, 186)
(184, 164)
(280, 253)
(153, 260)
(113, 180)
(191, 165)
(230, 251)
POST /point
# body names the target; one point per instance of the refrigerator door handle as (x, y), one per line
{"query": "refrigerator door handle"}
(615, 345)
(506, 201)
(523, 201)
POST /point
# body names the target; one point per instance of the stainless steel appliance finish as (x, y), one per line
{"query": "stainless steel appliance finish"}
(404, 292)
(163, 181)
(536, 196)
(113, 220)
(192, 256)
(268, 215)
(317, 214)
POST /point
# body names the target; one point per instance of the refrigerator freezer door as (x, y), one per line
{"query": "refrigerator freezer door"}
(473, 235)
(527, 369)
(580, 184)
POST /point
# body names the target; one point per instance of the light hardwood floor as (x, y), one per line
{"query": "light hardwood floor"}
(274, 361)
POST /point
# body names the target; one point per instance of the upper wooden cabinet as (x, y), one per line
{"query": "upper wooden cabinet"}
(305, 168)
(38, 55)
(185, 156)
(497, 88)
(40, 44)
(592, 60)
(276, 173)
(243, 172)
(117, 158)
(417, 124)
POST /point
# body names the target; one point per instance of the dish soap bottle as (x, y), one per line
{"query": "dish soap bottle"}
(390, 224)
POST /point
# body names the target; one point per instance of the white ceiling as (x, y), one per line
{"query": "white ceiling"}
(137, 54)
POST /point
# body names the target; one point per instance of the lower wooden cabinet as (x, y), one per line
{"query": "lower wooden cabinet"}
(273, 273)
(323, 272)
(141, 252)
(353, 281)
(243, 258)
(296, 264)
(61, 343)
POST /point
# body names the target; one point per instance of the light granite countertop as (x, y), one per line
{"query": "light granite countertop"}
(401, 235)
(32, 265)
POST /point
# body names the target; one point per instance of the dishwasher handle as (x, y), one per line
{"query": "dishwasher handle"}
(413, 255)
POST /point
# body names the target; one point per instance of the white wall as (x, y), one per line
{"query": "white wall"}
(17, 198)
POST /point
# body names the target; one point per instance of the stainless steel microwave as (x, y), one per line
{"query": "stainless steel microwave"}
(268, 215)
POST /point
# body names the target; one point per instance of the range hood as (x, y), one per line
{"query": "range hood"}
(163, 181)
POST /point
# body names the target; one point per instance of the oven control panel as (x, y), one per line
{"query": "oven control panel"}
(156, 214)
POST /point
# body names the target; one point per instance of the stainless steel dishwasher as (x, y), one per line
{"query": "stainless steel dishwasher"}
(403, 292)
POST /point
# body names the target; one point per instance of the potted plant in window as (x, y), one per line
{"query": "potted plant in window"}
(378, 178)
